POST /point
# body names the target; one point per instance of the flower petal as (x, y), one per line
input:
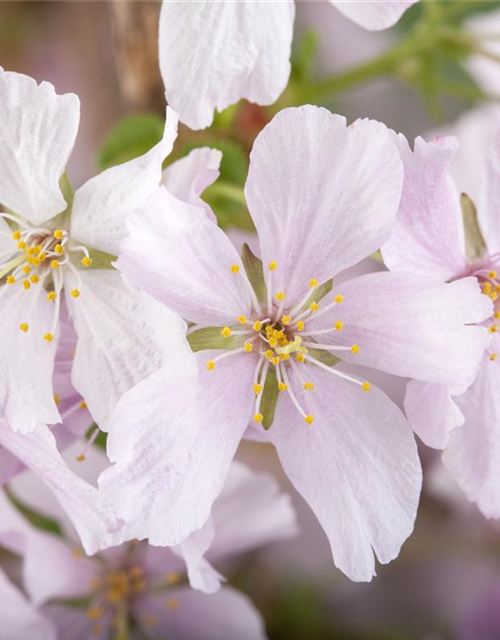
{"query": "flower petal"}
(38, 130)
(373, 15)
(357, 467)
(187, 178)
(212, 54)
(432, 412)
(26, 395)
(184, 614)
(124, 335)
(103, 205)
(428, 236)
(80, 500)
(489, 201)
(473, 455)
(20, 617)
(410, 326)
(172, 439)
(180, 257)
(322, 195)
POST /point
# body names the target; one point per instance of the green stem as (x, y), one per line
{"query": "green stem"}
(228, 191)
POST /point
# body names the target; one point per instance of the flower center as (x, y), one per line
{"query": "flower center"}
(40, 257)
(489, 280)
(281, 342)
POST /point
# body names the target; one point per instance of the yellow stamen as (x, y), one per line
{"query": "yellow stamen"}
(54, 264)
(314, 306)
(57, 398)
(226, 332)
(21, 245)
(172, 577)
(300, 357)
(26, 269)
(26, 284)
(34, 278)
(58, 234)
(48, 337)
(309, 419)
(366, 386)
(235, 268)
(494, 295)
(492, 274)
(269, 354)
(83, 404)
(86, 261)
(75, 293)
(16, 235)
(248, 347)
(282, 386)
(173, 604)
(339, 325)
(258, 417)
(257, 389)
(52, 295)
(10, 280)
(300, 326)
(355, 348)
(493, 328)
(339, 299)
(313, 283)
(308, 386)
(242, 319)
(24, 326)
(285, 320)
(497, 315)
(210, 365)
(94, 613)
(493, 357)
(59, 249)
(257, 326)
(280, 296)
(273, 266)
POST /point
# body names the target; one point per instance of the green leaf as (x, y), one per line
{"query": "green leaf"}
(255, 273)
(211, 338)
(304, 56)
(269, 398)
(475, 245)
(131, 138)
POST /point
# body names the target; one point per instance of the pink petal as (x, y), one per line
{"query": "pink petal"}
(432, 412)
(410, 326)
(172, 440)
(373, 15)
(356, 466)
(428, 236)
(489, 201)
(322, 195)
(180, 257)
(212, 54)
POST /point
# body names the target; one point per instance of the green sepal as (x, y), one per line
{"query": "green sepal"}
(255, 273)
(269, 398)
(100, 260)
(36, 519)
(323, 356)
(475, 246)
(319, 293)
(211, 338)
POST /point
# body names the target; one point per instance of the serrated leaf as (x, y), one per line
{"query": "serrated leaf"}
(269, 398)
(255, 273)
(131, 138)
(475, 246)
(211, 338)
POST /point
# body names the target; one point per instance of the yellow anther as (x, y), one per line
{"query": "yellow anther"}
(226, 332)
(285, 320)
(497, 315)
(313, 283)
(339, 325)
(57, 398)
(94, 613)
(58, 234)
(34, 261)
(37, 248)
(273, 266)
(282, 386)
(366, 386)
(242, 319)
(34, 278)
(493, 328)
(10, 280)
(48, 337)
(493, 357)
(80, 457)
(52, 295)
(300, 326)
(309, 419)
(54, 264)
(26, 284)
(16, 235)
(75, 293)
(308, 386)
(269, 354)
(257, 326)
(494, 295)
(24, 326)
(59, 249)
(280, 296)
(273, 342)
(86, 261)
(173, 604)
(21, 245)
(355, 348)
(314, 306)
(284, 356)
(300, 357)
(269, 330)
(210, 365)
(173, 577)
(77, 552)
(276, 361)
(257, 389)
(492, 274)
(31, 251)
(26, 269)
(235, 268)
(339, 299)
(41, 256)
(248, 347)
(83, 404)
(258, 417)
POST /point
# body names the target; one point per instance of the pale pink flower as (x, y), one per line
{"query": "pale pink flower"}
(151, 588)
(47, 244)
(429, 239)
(322, 196)
(213, 53)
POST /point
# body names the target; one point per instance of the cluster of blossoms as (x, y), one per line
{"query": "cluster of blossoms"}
(128, 310)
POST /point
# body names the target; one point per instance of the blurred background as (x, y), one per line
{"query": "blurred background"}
(446, 583)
